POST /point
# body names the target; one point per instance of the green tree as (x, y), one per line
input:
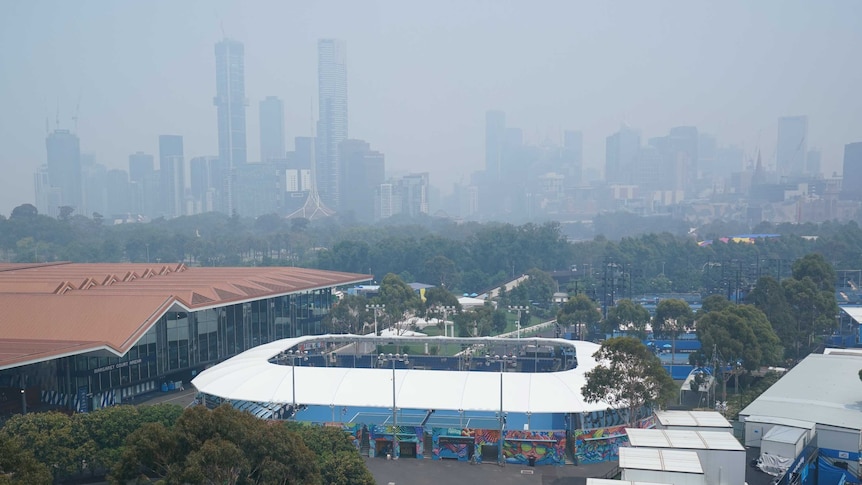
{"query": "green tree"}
(219, 446)
(628, 375)
(629, 317)
(579, 311)
(672, 317)
(815, 266)
(18, 466)
(399, 298)
(348, 315)
(337, 458)
(769, 297)
(51, 439)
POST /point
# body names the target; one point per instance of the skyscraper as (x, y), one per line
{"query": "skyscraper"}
(621, 153)
(332, 122)
(363, 171)
(271, 129)
(230, 102)
(64, 167)
(172, 174)
(792, 148)
(852, 183)
(140, 166)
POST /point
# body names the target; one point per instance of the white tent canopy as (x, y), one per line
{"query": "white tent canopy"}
(250, 376)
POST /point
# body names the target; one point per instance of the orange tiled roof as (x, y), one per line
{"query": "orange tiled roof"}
(50, 310)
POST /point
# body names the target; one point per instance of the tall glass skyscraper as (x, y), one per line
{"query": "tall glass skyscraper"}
(272, 129)
(230, 102)
(332, 122)
(64, 167)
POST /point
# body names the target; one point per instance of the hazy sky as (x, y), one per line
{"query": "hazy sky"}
(422, 74)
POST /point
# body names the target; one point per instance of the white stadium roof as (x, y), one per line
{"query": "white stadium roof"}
(250, 376)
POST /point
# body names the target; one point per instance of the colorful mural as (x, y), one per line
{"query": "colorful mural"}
(410, 441)
(538, 447)
(602, 444)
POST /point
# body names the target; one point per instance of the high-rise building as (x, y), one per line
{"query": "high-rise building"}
(792, 148)
(413, 189)
(495, 137)
(683, 155)
(64, 167)
(141, 166)
(852, 183)
(205, 183)
(332, 122)
(271, 129)
(362, 171)
(812, 163)
(48, 200)
(230, 102)
(621, 153)
(172, 175)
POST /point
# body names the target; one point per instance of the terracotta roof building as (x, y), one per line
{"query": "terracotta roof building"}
(82, 336)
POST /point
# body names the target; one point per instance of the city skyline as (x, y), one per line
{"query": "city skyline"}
(422, 80)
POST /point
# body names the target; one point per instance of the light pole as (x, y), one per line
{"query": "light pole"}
(382, 359)
(445, 309)
(294, 356)
(519, 309)
(375, 307)
(501, 417)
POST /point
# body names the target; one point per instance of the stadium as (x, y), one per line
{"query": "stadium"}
(497, 399)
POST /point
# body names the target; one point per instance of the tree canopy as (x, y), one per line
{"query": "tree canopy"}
(628, 375)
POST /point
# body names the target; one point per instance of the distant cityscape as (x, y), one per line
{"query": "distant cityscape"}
(687, 174)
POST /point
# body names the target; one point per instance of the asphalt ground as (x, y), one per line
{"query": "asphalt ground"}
(412, 471)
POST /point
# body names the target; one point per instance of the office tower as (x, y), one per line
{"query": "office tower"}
(271, 129)
(792, 145)
(230, 101)
(413, 190)
(94, 186)
(621, 152)
(812, 162)
(332, 121)
(48, 198)
(683, 156)
(386, 201)
(495, 138)
(258, 189)
(64, 167)
(362, 171)
(172, 175)
(141, 166)
(852, 183)
(206, 183)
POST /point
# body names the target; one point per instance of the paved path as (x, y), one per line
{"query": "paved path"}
(433, 472)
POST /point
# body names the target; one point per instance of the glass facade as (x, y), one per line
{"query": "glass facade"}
(179, 345)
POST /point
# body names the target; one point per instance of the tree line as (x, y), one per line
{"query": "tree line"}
(164, 442)
(464, 257)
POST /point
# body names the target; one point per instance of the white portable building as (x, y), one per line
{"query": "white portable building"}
(783, 441)
(756, 428)
(721, 456)
(692, 420)
(661, 466)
